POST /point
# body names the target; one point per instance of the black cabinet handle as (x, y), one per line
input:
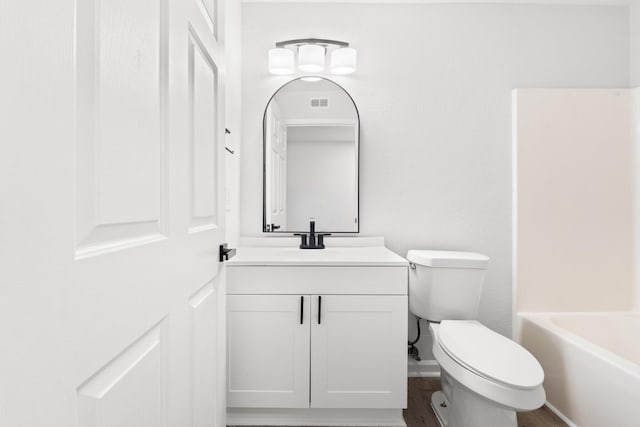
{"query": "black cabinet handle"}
(301, 310)
(319, 309)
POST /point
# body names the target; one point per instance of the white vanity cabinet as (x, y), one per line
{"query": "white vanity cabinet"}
(318, 339)
(268, 351)
(358, 351)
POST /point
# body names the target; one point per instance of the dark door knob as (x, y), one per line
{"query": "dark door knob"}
(226, 253)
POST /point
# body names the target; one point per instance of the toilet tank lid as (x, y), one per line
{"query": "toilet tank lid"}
(448, 259)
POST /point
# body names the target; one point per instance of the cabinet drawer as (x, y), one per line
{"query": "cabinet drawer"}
(317, 280)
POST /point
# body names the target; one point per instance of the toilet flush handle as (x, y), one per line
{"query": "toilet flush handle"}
(412, 265)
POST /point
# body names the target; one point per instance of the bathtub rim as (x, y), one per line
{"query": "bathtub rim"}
(545, 321)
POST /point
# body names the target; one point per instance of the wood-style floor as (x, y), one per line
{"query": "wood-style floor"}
(420, 414)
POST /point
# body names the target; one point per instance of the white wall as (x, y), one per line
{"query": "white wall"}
(295, 102)
(233, 118)
(433, 89)
(321, 180)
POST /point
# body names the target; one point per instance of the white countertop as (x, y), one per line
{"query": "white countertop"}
(330, 256)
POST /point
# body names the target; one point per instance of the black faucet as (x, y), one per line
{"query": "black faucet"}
(312, 238)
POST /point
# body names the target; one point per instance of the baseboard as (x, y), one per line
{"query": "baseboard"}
(315, 417)
(560, 415)
(423, 368)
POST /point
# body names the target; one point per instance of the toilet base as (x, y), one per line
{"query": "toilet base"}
(440, 407)
(467, 409)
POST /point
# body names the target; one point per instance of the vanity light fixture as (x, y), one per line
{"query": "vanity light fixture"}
(311, 56)
(281, 61)
(343, 61)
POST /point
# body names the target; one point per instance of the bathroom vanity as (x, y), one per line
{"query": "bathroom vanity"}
(317, 337)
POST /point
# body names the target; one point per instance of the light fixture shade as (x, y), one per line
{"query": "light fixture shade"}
(311, 58)
(343, 60)
(281, 61)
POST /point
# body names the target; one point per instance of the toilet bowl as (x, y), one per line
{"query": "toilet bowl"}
(485, 377)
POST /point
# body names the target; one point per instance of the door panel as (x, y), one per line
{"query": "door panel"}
(358, 356)
(203, 102)
(137, 374)
(208, 341)
(112, 298)
(121, 147)
(210, 11)
(268, 351)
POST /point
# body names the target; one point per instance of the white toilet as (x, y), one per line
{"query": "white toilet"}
(485, 377)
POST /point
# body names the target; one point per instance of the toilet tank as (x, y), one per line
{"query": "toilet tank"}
(445, 285)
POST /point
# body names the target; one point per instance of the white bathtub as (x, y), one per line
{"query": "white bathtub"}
(591, 363)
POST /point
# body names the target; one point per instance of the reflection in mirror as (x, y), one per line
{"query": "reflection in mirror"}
(311, 145)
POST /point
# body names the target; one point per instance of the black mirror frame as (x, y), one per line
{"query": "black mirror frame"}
(264, 163)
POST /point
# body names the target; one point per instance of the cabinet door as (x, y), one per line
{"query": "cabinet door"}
(358, 351)
(268, 351)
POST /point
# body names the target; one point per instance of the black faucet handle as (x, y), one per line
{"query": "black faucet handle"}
(321, 239)
(303, 237)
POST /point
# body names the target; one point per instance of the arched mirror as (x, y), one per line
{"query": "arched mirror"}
(311, 153)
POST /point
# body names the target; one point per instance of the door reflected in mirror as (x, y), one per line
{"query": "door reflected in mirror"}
(311, 148)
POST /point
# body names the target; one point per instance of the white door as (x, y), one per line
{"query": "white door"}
(276, 169)
(111, 293)
(268, 343)
(358, 356)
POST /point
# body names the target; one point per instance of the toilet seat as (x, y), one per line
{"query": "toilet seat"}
(509, 397)
(489, 354)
